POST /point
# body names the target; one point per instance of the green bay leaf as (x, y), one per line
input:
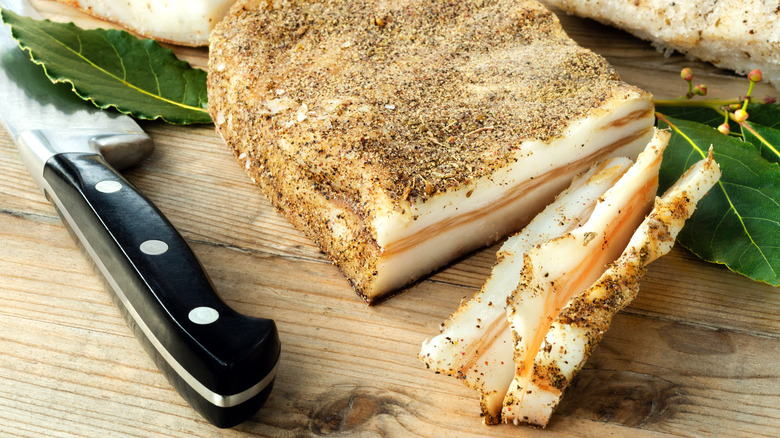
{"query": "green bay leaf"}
(765, 139)
(738, 222)
(113, 68)
(765, 114)
(693, 111)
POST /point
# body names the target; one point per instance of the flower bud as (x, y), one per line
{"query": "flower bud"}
(768, 100)
(700, 90)
(686, 74)
(724, 128)
(740, 115)
(755, 76)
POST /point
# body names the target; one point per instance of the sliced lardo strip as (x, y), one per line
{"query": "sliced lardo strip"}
(475, 342)
(562, 267)
(600, 210)
(586, 317)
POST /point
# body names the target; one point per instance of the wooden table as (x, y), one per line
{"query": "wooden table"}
(696, 354)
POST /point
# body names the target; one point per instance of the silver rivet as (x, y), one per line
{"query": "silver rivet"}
(108, 186)
(203, 315)
(154, 247)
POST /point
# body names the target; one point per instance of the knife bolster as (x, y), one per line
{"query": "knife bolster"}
(121, 150)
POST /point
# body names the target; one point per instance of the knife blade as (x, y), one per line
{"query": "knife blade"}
(222, 363)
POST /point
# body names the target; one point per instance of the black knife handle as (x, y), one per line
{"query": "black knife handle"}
(223, 363)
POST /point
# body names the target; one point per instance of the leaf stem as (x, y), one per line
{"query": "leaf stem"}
(750, 91)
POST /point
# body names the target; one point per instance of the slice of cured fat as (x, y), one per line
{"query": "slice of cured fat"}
(560, 268)
(498, 342)
(475, 343)
(539, 384)
(601, 208)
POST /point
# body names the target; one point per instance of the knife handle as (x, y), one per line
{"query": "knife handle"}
(223, 363)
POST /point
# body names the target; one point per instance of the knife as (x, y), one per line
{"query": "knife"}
(221, 362)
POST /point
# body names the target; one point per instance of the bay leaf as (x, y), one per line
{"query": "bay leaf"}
(765, 139)
(701, 113)
(112, 68)
(738, 223)
(766, 115)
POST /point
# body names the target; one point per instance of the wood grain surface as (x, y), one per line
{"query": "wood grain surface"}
(695, 355)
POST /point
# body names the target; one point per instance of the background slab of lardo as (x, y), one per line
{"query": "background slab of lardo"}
(695, 354)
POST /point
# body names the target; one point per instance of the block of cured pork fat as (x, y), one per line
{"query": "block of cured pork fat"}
(401, 135)
(739, 35)
(558, 283)
(183, 22)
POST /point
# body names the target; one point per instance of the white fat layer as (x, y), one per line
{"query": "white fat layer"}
(534, 160)
(540, 406)
(570, 344)
(566, 345)
(569, 264)
(479, 328)
(179, 21)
